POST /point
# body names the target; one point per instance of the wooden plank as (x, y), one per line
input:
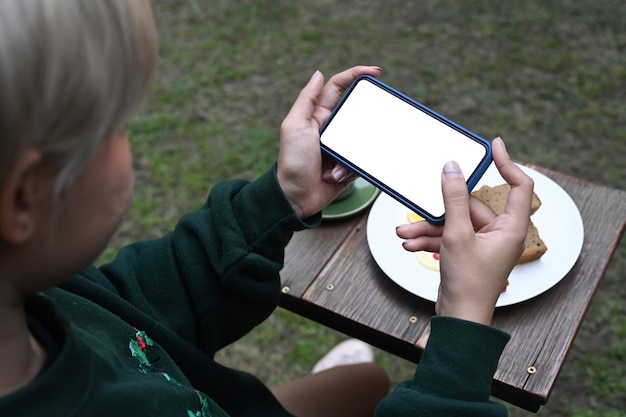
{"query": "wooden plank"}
(553, 319)
(307, 253)
(367, 303)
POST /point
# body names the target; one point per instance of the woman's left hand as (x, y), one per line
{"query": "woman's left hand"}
(309, 181)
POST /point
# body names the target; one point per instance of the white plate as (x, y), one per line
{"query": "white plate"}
(558, 221)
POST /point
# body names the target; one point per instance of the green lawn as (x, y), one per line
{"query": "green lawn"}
(547, 76)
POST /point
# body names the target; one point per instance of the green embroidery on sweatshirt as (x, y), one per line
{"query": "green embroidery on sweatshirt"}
(204, 407)
(138, 347)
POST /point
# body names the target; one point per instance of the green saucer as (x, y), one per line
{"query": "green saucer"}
(361, 198)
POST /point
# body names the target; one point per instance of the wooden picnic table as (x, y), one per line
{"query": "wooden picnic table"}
(331, 277)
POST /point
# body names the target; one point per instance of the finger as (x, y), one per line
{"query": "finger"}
(519, 200)
(455, 198)
(341, 173)
(305, 104)
(415, 230)
(420, 236)
(480, 213)
(426, 243)
(337, 85)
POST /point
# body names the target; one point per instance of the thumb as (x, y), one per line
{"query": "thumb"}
(455, 197)
(304, 106)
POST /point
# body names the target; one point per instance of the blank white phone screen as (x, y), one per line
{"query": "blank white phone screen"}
(399, 145)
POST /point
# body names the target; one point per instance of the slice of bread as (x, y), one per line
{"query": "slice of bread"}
(534, 246)
(495, 198)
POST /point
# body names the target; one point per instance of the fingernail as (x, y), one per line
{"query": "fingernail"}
(345, 177)
(341, 174)
(376, 67)
(400, 228)
(452, 169)
(315, 75)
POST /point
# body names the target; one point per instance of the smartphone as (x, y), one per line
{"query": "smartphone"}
(401, 146)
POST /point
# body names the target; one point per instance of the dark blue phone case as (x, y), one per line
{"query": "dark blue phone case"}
(471, 181)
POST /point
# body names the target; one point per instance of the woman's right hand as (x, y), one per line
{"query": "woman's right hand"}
(477, 249)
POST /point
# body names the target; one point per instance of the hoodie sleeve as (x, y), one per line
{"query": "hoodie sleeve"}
(216, 275)
(454, 375)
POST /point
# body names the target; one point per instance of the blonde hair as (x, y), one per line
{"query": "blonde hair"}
(72, 72)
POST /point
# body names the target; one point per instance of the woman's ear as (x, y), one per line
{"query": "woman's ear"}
(19, 196)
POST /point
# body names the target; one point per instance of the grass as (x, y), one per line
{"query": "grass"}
(548, 76)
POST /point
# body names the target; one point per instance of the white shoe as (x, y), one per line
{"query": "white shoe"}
(349, 352)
